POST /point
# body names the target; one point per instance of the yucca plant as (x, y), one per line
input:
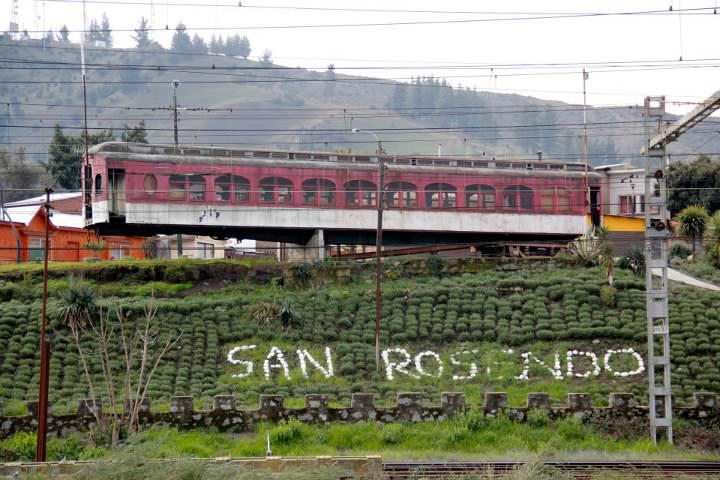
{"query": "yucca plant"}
(692, 221)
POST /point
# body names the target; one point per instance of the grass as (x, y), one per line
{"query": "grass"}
(468, 437)
(32, 267)
(700, 268)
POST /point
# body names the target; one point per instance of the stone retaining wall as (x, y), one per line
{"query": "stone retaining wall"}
(409, 408)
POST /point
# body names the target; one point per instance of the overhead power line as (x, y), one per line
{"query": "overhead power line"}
(680, 11)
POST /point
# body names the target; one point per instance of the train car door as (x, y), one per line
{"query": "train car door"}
(116, 185)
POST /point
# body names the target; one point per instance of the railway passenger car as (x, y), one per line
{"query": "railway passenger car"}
(290, 195)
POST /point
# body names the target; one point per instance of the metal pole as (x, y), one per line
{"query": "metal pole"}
(175, 84)
(378, 255)
(41, 448)
(585, 142)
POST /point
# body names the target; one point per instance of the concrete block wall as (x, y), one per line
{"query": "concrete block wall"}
(409, 407)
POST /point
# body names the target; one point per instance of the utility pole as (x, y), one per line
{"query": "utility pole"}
(586, 75)
(657, 239)
(378, 242)
(42, 408)
(175, 84)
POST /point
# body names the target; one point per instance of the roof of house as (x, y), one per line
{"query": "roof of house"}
(41, 198)
(25, 213)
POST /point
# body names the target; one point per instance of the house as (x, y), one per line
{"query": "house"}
(22, 233)
(623, 206)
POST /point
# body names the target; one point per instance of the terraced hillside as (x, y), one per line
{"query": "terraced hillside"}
(518, 331)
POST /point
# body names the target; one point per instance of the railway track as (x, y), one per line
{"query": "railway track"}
(579, 470)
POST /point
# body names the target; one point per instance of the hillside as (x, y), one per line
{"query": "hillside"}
(480, 328)
(242, 102)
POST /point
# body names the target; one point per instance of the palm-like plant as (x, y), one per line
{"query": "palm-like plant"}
(691, 223)
(77, 306)
(712, 239)
(78, 311)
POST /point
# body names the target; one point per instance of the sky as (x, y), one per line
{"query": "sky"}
(490, 38)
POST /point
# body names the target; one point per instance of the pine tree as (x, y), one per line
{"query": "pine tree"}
(181, 40)
(245, 49)
(63, 161)
(142, 35)
(64, 34)
(136, 134)
(199, 45)
(106, 31)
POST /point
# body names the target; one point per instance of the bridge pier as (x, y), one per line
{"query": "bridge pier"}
(312, 251)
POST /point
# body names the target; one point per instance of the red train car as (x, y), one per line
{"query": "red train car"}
(289, 196)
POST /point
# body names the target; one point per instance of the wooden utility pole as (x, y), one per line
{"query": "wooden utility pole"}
(42, 406)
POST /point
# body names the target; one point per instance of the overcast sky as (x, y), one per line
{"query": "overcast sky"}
(631, 38)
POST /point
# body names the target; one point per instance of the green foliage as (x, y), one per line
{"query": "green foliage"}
(78, 307)
(607, 296)
(633, 261)
(694, 183)
(680, 250)
(435, 265)
(302, 273)
(538, 418)
(136, 134)
(64, 156)
(712, 239)
(692, 221)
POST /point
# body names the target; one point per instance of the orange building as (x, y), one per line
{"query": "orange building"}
(22, 236)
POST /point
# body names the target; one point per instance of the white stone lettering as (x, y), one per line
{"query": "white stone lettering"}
(304, 356)
(249, 366)
(280, 363)
(419, 366)
(400, 366)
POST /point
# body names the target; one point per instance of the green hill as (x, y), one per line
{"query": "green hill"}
(244, 102)
(475, 330)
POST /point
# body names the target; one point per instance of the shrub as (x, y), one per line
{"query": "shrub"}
(607, 296)
(538, 418)
(680, 250)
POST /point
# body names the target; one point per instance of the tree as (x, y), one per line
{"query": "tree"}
(712, 239)
(266, 59)
(181, 40)
(93, 35)
(64, 34)
(136, 134)
(49, 36)
(199, 45)
(77, 311)
(18, 175)
(65, 152)
(694, 183)
(142, 35)
(236, 46)
(106, 31)
(216, 44)
(330, 83)
(691, 223)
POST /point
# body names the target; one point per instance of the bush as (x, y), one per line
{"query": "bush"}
(607, 296)
(680, 250)
(538, 418)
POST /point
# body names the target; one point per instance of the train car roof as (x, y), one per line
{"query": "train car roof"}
(146, 152)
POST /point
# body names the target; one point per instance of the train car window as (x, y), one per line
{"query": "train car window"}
(278, 155)
(197, 187)
(556, 166)
(400, 194)
(518, 197)
(360, 193)
(176, 190)
(318, 191)
(302, 156)
(261, 154)
(241, 187)
(574, 167)
(480, 196)
(563, 199)
(440, 195)
(275, 190)
(546, 198)
(223, 184)
(150, 183)
(98, 184)
(502, 165)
